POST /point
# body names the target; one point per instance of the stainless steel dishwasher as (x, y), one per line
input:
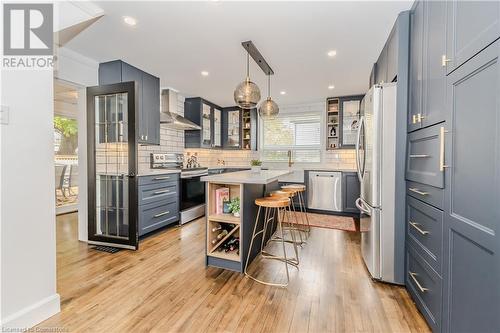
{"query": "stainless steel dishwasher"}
(324, 190)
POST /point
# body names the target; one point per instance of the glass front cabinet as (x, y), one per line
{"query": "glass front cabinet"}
(343, 114)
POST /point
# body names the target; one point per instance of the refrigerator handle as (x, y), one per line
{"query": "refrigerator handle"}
(358, 138)
(361, 207)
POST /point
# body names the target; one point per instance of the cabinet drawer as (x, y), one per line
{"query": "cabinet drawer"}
(424, 285)
(165, 192)
(155, 179)
(154, 216)
(425, 231)
(432, 195)
(423, 157)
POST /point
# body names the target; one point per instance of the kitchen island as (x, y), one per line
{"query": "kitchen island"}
(228, 236)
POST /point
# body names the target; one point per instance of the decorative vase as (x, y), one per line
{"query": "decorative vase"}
(256, 169)
(236, 214)
(225, 207)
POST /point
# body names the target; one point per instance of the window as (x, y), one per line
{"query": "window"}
(299, 133)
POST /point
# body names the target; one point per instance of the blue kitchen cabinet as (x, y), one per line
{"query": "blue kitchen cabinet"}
(147, 95)
(471, 26)
(472, 196)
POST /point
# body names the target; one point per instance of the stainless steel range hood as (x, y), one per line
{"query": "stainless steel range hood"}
(169, 115)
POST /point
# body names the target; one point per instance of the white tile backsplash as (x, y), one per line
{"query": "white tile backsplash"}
(171, 141)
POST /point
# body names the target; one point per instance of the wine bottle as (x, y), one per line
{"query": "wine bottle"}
(220, 236)
(217, 228)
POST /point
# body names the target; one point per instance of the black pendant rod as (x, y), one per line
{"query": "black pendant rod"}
(259, 59)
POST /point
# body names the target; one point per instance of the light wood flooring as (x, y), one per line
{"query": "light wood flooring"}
(165, 287)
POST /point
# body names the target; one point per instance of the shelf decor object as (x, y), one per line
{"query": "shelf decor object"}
(247, 93)
(268, 109)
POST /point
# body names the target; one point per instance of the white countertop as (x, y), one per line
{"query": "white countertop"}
(247, 177)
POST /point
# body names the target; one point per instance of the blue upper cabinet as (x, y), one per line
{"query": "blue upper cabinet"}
(434, 73)
(209, 117)
(147, 95)
(427, 69)
(416, 68)
(471, 26)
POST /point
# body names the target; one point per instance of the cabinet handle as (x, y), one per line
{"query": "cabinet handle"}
(161, 178)
(415, 225)
(161, 192)
(444, 60)
(420, 117)
(419, 156)
(416, 190)
(414, 119)
(413, 276)
(161, 214)
(146, 137)
(442, 166)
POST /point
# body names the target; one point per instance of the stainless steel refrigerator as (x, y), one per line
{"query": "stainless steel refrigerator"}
(376, 164)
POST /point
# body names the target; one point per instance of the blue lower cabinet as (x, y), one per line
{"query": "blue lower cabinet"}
(425, 231)
(425, 287)
(156, 215)
(158, 199)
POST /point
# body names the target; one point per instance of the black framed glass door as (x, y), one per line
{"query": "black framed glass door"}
(112, 195)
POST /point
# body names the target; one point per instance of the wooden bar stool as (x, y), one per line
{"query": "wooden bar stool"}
(290, 194)
(300, 189)
(272, 207)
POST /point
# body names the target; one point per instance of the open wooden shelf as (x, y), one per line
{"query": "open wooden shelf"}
(225, 218)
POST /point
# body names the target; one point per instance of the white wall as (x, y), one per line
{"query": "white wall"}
(28, 243)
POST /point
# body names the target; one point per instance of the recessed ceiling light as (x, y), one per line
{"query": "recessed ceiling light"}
(331, 87)
(283, 92)
(332, 53)
(129, 20)
(204, 73)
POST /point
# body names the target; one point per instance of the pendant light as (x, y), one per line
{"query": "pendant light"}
(268, 109)
(247, 93)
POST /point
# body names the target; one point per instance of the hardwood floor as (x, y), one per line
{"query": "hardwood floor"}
(165, 287)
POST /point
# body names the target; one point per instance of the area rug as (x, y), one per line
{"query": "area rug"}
(331, 221)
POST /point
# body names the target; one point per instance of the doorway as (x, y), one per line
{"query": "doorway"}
(66, 146)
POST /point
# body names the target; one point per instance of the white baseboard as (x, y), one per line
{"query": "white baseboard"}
(33, 314)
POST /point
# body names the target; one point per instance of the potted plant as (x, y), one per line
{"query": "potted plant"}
(234, 206)
(256, 165)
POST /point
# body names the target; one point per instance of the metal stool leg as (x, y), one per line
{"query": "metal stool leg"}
(284, 258)
(303, 206)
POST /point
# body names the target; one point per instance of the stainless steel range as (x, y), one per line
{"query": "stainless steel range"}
(192, 189)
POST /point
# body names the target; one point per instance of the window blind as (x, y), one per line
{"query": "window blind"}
(300, 133)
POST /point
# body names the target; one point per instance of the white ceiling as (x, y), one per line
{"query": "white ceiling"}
(177, 40)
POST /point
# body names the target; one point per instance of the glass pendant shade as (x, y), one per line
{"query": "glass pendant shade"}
(268, 109)
(247, 94)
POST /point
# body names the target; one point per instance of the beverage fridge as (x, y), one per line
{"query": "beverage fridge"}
(380, 166)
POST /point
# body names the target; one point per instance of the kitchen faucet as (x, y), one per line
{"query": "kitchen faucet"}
(290, 159)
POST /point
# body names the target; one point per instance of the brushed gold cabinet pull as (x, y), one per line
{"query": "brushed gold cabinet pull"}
(415, 225)
(414, 278)
(414, 119)
(442, 166)
(444, 60)
(416, 190)
(420, 117)
(419, 156)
